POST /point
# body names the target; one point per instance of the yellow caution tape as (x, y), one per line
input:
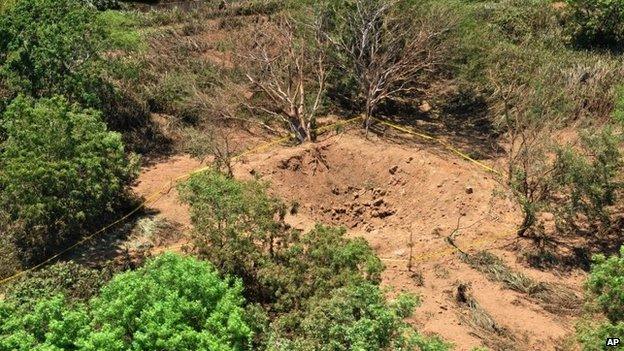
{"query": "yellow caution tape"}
(441, 142)
(155, 196)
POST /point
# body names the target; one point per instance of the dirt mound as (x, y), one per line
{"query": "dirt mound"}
(406, 200)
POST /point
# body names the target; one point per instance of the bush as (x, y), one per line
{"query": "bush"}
(50, 47)
(74, 281)
(64, 47)
(357, 317)
(234, 223)
(307, 290)
(586, 183)
(606, 283)
(62, 173)
(239, 228)
(605, 287)
(173, 303)
(596, 23)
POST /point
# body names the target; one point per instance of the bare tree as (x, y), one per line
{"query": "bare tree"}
(215, 144)
(387, 47)
(288, 74)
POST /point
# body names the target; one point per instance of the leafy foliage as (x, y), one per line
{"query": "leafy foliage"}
(74, 281)
(50, 47)
(357, 317)
(173, 303)
(606, 290)
(294, 279)
(239, 228)
(62, 172)
(588, 180)
(606, 282)
(68, 48)
(597, 23)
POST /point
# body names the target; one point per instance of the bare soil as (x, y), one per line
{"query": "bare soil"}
(393, 193)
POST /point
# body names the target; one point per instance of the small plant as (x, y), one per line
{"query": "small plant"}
(605, 287)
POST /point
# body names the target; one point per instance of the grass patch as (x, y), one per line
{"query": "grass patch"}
(553, 298)
(485, 327)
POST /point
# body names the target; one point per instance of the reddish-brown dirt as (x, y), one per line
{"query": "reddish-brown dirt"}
(389, 192)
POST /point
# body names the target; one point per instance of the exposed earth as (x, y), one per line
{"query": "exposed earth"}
(394, 193)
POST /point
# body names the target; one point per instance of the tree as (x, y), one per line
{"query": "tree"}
(386, 47)
(50, 47)
(289, 73)
(596, 23)
(62, 173)
(173, 303)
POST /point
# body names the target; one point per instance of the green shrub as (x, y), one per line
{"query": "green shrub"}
(586, 183)
(606, 283)
(72, 280)
(173, 303)
(63, 47)
(596, 23)
(313, 291)
(356, 317)
(234, 222)
(50, 47)
(605, 287)
(62, 173)
(238, 228)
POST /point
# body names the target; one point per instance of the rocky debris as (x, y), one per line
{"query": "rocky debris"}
(393, 169)
(291, 163)
(469, 190)
(424, 107)
(360, 206)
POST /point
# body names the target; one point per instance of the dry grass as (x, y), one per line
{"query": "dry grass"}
(152, 232)
(556, 299)
(484, 326)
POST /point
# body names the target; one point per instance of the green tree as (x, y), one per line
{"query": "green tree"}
(62, 173)
(596, 23)
(50, 47)
(173, 303)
